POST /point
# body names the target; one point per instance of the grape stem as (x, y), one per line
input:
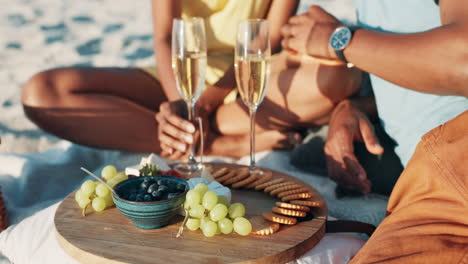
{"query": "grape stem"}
(99, 179)
(181, 228)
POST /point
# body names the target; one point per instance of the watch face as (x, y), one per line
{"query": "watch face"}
(340, 38)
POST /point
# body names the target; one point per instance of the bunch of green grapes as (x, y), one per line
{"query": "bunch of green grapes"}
(213, 214)
(97, 194)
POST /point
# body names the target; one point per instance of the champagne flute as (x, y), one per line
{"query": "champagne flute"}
(252, 66)
(189, 66)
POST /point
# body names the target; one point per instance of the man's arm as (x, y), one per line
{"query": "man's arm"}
(163, 13)
(437, 59)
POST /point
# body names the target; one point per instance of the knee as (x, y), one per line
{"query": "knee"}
(49, 88)
(38, 90)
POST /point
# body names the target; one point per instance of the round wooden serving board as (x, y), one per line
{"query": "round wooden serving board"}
(109, 237)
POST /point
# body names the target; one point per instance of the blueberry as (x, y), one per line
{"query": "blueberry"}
(181, 187)
(163, 188)
(139, 197)
(144, 185)
(132, 196)
(156, 195)
(161, 182)
(172, 195)
(147, 198)
(153, 187)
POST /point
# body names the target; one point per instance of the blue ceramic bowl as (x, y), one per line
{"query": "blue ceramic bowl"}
(147, 215)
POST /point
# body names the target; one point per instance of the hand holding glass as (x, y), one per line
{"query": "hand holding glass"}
(252, 66)
(189, 66)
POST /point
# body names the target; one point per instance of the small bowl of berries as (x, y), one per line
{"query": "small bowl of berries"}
(150, 201)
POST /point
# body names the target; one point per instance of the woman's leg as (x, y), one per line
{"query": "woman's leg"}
(101, 107)
(301, 94)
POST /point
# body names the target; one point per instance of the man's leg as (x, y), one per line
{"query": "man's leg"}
(427, 218)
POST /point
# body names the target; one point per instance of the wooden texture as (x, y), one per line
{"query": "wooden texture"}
(109, 237)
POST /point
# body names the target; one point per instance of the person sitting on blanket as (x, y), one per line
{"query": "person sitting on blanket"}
(416, 54)
(116, 108)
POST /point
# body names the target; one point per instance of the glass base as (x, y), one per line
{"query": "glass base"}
(256, 170)
(188, 169)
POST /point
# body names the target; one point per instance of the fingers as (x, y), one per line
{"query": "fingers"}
(171, 143)
(169, 116)
(356, 175)
(368, 136)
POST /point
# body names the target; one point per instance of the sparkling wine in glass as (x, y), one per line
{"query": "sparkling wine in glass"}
(189, 66)
(252, 66)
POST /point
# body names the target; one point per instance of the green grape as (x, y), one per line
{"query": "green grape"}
(236, 210)
(108, 172)
(193, 224)
(79, 195)
(109, 200)
(223, 200)
(242, 226)
(83, 202)
(225, 226)
(121, 176)
(88, 187)
(218, 212)
(193, 198)
(98, 204)
(210, 199)
(102, 190)
(203, 221)
(186, 204)
(197, 211)
(112, 182)
(209, 228)
(201, 188)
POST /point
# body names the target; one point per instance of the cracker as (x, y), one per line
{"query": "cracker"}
(241, 174)
(252, 177)
(293, 206)
(308, 202)
(281, 219)
(226, 176)
(220, 172)
(267, 175)
(296, 196)
(268, 183)
(288, 212)
(294, 191)
(276, 186)
(263, 227)
(276, 191)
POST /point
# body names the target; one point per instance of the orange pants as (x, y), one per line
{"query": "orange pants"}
(427, 219)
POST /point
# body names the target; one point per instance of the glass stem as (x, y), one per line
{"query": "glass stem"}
(191, 118)
(252, 112)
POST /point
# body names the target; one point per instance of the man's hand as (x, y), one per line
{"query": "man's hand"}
(309, 33)
(175, 133)
(349, 124)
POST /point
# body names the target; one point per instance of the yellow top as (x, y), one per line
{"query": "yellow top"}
(221, 19)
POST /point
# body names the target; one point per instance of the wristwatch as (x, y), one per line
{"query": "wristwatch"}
(339, 40)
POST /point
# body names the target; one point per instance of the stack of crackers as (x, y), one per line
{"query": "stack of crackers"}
(295, 199)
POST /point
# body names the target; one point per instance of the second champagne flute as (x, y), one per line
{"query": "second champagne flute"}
(189, 66)
(252, 66)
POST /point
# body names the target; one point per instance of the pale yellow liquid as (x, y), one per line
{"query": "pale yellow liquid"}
(252, 75)
(189, 73)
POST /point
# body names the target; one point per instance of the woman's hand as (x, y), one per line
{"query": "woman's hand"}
(349, 124)
(309, 33)
(175, 133)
